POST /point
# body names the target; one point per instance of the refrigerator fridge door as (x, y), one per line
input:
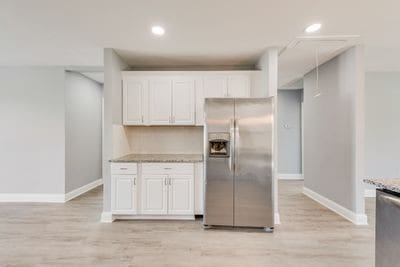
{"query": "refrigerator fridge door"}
(387, 231)
(253, 201)
(219, 155)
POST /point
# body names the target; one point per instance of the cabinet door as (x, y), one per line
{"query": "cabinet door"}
(124, 194)
(180, 195)
(134, 101)
(199, 188)
(160, 101)
(183, 102)
(215, 86)
(154, 194)
(238, 86)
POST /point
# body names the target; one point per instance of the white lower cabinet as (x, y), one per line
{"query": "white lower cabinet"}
(168, 188)
(180, 195)
(199, 188)
(154, 194)
(153, 189)
(124, 194)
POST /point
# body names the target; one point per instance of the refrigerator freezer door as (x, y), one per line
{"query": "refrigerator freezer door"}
(219, 171)
(253, 202)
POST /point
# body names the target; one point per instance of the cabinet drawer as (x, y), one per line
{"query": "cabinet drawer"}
(123, 168)
(168, 168)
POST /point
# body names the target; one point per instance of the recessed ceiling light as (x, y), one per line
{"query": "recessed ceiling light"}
(157, 30)
(313, 28)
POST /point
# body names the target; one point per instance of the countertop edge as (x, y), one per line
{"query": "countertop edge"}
(159, 158)
(382, 184)
(149, 161)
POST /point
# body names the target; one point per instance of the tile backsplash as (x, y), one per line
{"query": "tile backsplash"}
(158, 140)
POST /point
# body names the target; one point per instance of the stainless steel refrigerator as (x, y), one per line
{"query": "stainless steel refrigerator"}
(238, 140)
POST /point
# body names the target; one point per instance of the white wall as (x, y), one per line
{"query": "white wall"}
(32, 136)
(289, 132)
(382, 124)
(333, 131)
(83, 132)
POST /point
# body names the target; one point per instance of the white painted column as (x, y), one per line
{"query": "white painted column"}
(268, 64)
(112, 114)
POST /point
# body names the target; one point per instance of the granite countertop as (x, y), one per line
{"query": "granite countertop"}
(392, 184)
(160, 158)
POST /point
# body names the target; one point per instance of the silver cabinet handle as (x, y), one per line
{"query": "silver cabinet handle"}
(134, 181)
(170, 181)
(167, 168)
(142, 119)
(165, 181)
(123, 169)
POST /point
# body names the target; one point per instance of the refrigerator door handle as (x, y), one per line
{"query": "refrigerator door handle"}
(395, 202)
(237, 153)
(232, 145)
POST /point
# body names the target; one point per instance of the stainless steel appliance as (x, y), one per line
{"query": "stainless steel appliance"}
(387, 232)
(238, 151)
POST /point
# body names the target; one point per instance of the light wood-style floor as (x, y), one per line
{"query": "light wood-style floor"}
(70, 235)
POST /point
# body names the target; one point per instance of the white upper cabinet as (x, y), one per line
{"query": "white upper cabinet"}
(215, 86)
(134, 101)
(238, 86)
(160, 101)
(177, 98)
(183, 108)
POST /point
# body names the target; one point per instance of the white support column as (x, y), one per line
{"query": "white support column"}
(112, 114)
(268, 64)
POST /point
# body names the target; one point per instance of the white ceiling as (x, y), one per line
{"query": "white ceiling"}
(206, 32)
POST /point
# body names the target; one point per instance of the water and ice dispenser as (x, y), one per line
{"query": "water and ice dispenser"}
(218, 145)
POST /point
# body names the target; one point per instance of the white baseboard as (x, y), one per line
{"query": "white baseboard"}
(277, 218)
(106, 217)
(356, 218)
(290, 176)
(370, 193)
(154, 217)
(50, 198)
(83, 189)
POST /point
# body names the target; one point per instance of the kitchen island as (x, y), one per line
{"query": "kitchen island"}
(387, 229)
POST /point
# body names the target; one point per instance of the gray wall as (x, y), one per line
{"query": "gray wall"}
(289, 131)
(112, 93)
(333, 128)
(32, 134)
(83, 100)
(382, 124)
